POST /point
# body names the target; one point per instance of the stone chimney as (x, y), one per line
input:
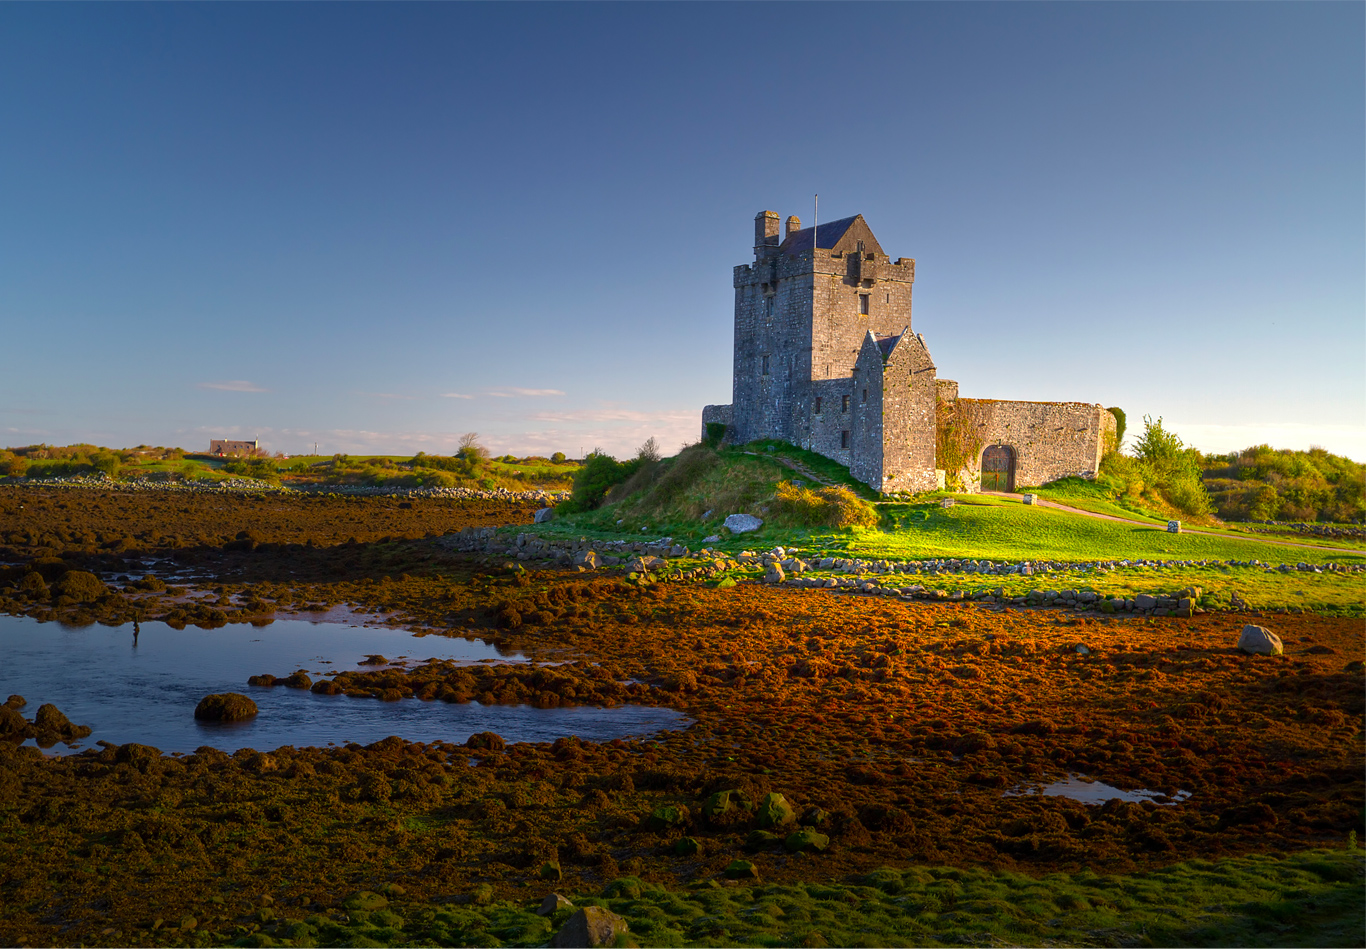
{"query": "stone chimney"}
(765, 234)
(794, 224)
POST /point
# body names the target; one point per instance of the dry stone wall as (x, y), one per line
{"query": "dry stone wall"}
(1050, 440)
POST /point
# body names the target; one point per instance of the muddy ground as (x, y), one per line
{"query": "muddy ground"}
(897, 731)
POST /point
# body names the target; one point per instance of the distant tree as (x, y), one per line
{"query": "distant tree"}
(557, 458)
(648, 451)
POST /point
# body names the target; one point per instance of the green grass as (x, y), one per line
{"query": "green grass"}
(832, 471)
(1089, 496)
(1306, 899)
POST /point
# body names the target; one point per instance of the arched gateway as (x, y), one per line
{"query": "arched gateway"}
(998, 468)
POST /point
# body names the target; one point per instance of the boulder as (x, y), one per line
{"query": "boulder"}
(16, 701)
(718, 804)
(544, 515)
(551, 903)
(806, 840)
(775, 574)
(1258, 640)
(591, 926)
(713, 539)
(12, 724)
(225, 707)
(366, 901)
(485, 741)
(80, 586)
(687, 847)
(298, 680)
(743, 523)
(774, 811)
(742, 870)
(586, 558)
(51, 719)
(667, 816)
(1145, 602)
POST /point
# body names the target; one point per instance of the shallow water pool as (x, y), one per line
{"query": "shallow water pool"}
(1086, 791)
(146, 691)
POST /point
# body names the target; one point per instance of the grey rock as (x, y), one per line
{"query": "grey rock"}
(1259, 640)
(775, 574)
(589, 928)
(713, 539)
(1145, 602)
(544, 515)
(587, 558)
(743, 523)
(551, 903)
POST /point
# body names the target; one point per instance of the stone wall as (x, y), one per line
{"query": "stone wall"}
(716, 413)
(1050, 440)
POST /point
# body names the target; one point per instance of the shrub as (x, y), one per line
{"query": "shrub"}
(1120, 424)
(716, 433)
(827, 507)
(600, 472)
(558, 458)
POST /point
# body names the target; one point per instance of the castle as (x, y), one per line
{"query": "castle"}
(825, 359)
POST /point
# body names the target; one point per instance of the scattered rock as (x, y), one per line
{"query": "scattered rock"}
(743, 523)
(365, 901)
(16, 701)
(1259, 640)
(486, 741)
(544, 515)
(775, 574)
(225, 707)
(687, 847)
(667, 817)
(590, 927)
(806, 840)
(742, 870)
(551, 903)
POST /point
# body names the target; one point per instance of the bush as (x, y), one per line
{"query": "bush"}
(827, 507)
(599, 474)
(558, 458)
(1120, 424)
(716, 433)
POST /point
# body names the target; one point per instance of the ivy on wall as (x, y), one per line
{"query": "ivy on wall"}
(956, 443)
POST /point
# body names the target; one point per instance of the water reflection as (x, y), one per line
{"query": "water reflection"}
(144, 688)
(1087, 791)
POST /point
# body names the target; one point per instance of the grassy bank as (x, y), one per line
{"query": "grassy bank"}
(1306, 899)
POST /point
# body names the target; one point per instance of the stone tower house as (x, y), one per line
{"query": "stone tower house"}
(825, 359)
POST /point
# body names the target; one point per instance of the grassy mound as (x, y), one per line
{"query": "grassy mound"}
(701, 485)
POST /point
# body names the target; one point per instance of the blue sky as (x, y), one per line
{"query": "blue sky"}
(376, 227)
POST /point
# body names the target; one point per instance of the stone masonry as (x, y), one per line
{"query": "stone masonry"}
(825, 359)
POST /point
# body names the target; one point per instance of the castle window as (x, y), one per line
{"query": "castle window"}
(818, 405)
(865, 395)
(889, 298)
(844, 403)
(863, 303)
(844, 438)
(765, 365)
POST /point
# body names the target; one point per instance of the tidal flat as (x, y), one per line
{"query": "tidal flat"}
(833, 740)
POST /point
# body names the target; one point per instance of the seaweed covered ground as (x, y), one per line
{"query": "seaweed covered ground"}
(837, 735)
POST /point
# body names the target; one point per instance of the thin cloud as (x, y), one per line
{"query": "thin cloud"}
(515, 392)
(237, 385)
(385, 395)
(456, 395)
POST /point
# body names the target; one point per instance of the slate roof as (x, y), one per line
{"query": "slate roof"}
(828, 235)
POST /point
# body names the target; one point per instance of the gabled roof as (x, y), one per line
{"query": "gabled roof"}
(827, 235)
(887, 344)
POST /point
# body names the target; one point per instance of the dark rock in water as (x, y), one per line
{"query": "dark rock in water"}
(326, 687)
(589, 928)
(225, 707)
(299, 680)
(262, 681)
(80, 586)
(374, 660)
(16, 701)
(33, 584)
(12, 724)
(50, 568)
(486, 741)
(51, 719)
